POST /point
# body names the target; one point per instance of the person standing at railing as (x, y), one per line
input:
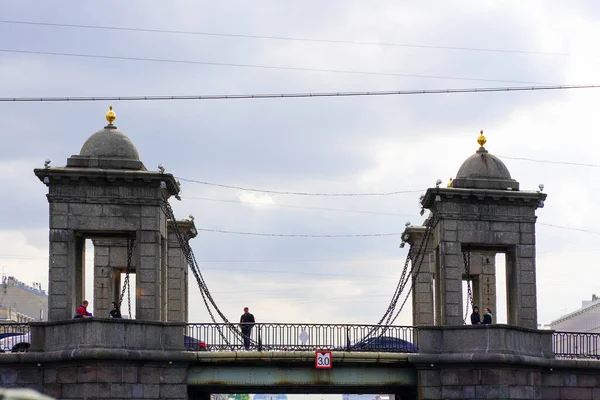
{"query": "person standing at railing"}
(114, 312)
(487, 316)
(475, 317)
(246, 324)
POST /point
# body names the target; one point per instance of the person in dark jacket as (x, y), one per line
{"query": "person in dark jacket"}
(487, 316)
(246, 324)
(475, 316)
(115, 312)
(82, 311)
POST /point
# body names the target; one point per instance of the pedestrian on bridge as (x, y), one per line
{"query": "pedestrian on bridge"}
(82, 311)
(475, 316)
(487, 316)
(114, 312)
(246, 324)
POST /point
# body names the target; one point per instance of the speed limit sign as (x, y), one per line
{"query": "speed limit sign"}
(322, 359)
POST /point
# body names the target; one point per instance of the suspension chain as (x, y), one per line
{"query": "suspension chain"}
(126, 285)
(424, 243)
(192, 263)
(406, 273)
(467, 261)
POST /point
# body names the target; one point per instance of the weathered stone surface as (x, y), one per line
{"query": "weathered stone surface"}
(173, 391)
(98, 333)
(522, 392)
(452, 392)
(130, 374)
(122, 390)
(110, 373)
(149, 237)
(430, 393)
(147, 276)
(66, 374)
(59, 222)
(86, 210)
(86, 390)
(150, 223)
(53, 390)
(492, 392)
(8, 376)
(576, 393)
(502, 339)
(550, 393)
(151, 391)
(87, 373)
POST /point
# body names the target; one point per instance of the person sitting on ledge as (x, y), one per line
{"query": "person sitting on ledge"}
(82, 311)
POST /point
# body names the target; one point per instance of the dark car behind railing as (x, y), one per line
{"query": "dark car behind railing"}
(14, 337)
(193, 344)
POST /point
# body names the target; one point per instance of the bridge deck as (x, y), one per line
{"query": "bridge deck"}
(276, 371)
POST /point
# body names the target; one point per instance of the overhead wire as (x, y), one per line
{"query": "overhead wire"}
(300, 193)
(259, 66)
(300, 235)
(570, 228)
(255, 96)
(271, 37)
(298, 207)
(551, 161)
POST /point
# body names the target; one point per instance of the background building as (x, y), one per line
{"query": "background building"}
(22, 303)
(586, 319)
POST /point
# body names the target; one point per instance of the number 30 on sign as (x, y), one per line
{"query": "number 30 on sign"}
(323, 359)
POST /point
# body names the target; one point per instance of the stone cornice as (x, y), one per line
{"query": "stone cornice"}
(414, 235)
(186, 227)
(458, 216)
(489, 196)
(431, 361)
(106, 177)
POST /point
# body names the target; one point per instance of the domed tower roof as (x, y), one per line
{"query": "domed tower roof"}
(484, 171)
(109, 148)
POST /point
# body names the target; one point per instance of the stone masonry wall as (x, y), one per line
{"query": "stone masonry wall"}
(479, 383)
(99, 379)
(105, 380)
(494, 382)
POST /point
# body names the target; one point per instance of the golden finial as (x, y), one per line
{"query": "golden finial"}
(481, 139)
(110, 116)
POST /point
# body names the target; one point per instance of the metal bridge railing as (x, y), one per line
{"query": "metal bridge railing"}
(304, 337)
(14, 337)
(574, 345)
(309, 337)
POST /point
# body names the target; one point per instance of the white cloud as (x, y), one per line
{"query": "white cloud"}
(254, 199)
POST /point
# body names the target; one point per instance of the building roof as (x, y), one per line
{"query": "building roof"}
(109, 148)
(586, 306)
(109, 143)
(483, 170)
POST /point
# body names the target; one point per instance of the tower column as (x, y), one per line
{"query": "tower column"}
(177, 282)
(66, 272)
(422, 274)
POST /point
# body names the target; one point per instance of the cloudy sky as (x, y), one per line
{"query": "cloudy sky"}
(318, 145)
